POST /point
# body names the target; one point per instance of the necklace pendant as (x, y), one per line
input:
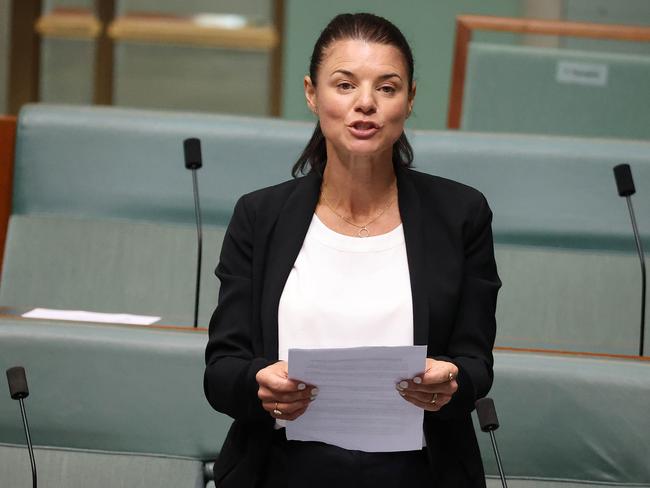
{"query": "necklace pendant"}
(363, 232)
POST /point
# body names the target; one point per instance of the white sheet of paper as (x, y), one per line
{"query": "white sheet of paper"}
(82, 316)
(358, 406)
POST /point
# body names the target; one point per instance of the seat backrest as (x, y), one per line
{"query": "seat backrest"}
(559, 425)
(537, 90)
(545, 190)
(128, 164)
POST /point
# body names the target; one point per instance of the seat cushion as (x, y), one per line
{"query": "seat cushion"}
(111, 388)
(73, 468)
(111, 266)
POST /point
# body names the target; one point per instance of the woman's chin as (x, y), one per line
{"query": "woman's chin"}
(367, 149)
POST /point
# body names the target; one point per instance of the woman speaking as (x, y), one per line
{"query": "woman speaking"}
(361, 251)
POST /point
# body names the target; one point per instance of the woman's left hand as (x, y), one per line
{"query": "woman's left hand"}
(433, 389)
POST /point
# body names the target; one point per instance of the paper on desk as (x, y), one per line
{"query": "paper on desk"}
(358, 406)
(81, 316)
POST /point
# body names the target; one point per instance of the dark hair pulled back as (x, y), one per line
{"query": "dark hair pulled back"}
(369, 28)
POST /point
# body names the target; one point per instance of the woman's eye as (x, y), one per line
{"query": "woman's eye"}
(387, 89)
(345, 85)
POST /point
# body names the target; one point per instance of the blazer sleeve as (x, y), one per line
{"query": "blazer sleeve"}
(229, 379)
(474, 330)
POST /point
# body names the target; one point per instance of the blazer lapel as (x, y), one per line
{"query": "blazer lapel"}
(284, 247)
(413, 223)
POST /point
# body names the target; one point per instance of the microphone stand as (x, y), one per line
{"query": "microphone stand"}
(193, 161)
(639, 250)
(498, 456)
(29, 441)
(199, 232)
(18, 390)
(625, 187)
(487, 418)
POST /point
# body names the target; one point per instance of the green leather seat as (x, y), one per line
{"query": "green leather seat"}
(109, 405)
(103, 216)
(570, 421)
(533, 90)
(109, 265)
(103, 220)
(123, 406)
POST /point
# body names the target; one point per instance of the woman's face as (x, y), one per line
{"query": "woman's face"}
(361, 97)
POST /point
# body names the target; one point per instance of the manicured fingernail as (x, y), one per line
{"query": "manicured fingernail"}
(417, 380)
(301, 386)
(312, 398)
(402, 393)
(404, 384)
(314, 392)
(399, 388)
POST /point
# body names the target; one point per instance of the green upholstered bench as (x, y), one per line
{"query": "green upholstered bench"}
(109, 406)
(103, 210)
(535, 90)
(108, 265)
(102, 217)
(103, 220)
(570, 421)
(123, 406)
(564, 244)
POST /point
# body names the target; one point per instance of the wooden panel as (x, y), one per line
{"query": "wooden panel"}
(24, 54)
(7, 145)
(69, 24)
(104, 54)
(556, 27)
(461, 46)
(187, 31)
(466, 24)
(275, 75)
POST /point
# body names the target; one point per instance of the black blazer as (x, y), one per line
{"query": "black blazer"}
(454, 284)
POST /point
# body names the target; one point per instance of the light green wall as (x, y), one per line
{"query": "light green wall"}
(428, 25)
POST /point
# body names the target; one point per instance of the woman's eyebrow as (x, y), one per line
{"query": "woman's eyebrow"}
(390, 75)
(351, 74)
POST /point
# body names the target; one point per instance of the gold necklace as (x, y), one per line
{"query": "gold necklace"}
(363, 229)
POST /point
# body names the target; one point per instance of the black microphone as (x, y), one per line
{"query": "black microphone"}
(487, 418)
(193, 161)
(19, 391)
(625, 186)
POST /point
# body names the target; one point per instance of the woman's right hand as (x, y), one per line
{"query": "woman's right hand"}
(280, 394)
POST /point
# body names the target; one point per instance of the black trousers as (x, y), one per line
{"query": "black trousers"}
(297, 464)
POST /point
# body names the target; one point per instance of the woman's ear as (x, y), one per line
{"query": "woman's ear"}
(310, 94)
(411, 99)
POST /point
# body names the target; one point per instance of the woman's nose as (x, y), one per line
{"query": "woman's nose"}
(365, 101)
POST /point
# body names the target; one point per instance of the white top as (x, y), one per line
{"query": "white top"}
(347, 291)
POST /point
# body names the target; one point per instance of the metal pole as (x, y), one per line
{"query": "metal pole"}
(197, 211)
(29, 441)
(639, 249)
(498, 456)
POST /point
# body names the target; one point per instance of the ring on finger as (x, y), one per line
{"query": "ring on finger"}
(276, 412)
(434, 398)
(451, 377)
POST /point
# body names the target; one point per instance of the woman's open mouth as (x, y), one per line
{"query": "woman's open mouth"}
(363, 129)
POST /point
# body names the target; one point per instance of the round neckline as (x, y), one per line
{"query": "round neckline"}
(342, 242)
